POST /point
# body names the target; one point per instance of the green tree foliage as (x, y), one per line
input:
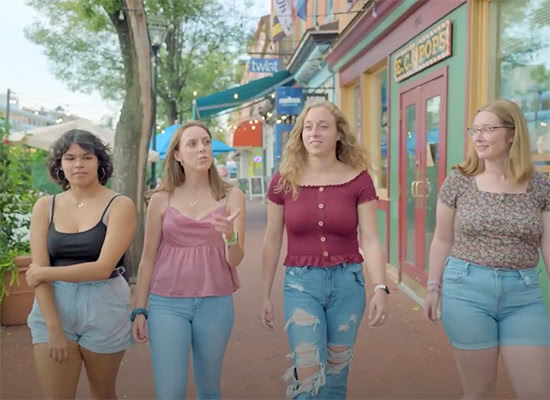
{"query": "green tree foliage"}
(200, 51)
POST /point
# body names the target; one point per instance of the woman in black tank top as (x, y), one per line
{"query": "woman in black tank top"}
(78, 240)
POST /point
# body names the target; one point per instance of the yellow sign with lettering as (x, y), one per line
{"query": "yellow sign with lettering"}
(431, 48)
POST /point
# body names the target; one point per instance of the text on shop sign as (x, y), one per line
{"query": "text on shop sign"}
(431, 48)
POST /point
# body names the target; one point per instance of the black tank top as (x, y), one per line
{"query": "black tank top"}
(79, 247)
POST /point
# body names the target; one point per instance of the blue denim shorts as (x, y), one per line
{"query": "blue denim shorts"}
(94, 314)
(484, 307)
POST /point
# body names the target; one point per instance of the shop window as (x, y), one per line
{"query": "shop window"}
(356, 116)
(330, 10)
(520, 66)
(315, 12)
(375, 110)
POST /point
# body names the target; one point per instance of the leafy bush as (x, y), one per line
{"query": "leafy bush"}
(17, 197)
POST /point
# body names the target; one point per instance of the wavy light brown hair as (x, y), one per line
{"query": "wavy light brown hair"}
(174, 173)
(519, 167)
(348, 149)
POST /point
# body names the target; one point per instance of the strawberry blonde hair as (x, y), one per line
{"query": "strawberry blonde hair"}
(348, 149)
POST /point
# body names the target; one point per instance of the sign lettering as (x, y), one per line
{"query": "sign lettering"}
(267, 65)
(431, 48)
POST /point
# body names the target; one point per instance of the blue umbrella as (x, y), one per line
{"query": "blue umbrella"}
(163, 141)
(220, 147)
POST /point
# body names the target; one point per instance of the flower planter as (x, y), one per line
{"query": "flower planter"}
(17, 305)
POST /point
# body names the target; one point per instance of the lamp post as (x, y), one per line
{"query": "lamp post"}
(157, 34)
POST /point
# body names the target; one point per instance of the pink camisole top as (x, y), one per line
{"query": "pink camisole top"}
(190, 259)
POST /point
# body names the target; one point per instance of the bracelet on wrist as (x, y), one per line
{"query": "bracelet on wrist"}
(233, 239)
(138, 311)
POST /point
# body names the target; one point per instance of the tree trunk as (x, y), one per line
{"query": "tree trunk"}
(134, 127)
(172, 111)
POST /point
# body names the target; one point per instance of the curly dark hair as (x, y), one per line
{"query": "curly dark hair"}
(89, 142)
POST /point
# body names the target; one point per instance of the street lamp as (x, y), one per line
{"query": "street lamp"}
(157, 34)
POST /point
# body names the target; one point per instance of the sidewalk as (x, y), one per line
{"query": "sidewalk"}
(408, 358)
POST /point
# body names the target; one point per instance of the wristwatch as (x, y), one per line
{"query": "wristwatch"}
(383, 287)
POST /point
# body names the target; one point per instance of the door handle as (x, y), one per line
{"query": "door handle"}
(414, 188)
(423, 194)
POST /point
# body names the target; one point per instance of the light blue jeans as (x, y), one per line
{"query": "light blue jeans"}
(179, 324)
(323, 308)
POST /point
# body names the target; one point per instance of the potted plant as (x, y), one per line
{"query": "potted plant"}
(16, 296)
(16, 200)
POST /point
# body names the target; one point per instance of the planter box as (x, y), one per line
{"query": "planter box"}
(17, 305)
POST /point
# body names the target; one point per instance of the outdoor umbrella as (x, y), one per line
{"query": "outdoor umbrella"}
(163, 141)
(44, 137)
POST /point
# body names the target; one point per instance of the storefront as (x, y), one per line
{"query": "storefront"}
(401, 68)
(509, 57)
(411, 75)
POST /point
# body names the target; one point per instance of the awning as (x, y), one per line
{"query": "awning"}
(163, 139)
(248, 134)
(206, 106)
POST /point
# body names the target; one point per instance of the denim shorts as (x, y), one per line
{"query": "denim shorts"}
(94, 314)
(484, 307)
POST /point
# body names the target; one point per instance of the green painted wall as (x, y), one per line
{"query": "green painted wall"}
(398, 12)
(456, 94)
(544, 283)
(382, 227)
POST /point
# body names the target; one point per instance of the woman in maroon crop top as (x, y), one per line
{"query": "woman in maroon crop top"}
(323, 194)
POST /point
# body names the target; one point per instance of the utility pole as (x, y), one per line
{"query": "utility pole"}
(8, 111)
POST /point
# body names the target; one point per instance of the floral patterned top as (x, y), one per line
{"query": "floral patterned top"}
(501, 230)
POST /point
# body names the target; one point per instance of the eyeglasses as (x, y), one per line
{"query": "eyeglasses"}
(486, 129)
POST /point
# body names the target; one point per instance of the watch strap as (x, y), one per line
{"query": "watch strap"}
(383, 287)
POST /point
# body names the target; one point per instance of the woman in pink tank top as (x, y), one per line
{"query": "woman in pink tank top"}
(194, 240)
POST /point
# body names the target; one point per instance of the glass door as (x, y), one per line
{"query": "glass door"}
(422, 169)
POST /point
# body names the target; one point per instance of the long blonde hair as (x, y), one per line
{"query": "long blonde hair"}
(348, 150)
(519, 167)
(174, 173)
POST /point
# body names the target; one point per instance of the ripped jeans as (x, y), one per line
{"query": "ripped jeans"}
(323, 309)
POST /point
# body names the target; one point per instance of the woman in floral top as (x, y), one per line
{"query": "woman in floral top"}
(493, 215)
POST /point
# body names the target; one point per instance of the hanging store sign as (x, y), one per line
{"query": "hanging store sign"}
(269, 65)
(431, 48)
(288, 100)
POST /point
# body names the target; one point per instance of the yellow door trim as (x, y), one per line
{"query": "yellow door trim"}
(478, 68)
